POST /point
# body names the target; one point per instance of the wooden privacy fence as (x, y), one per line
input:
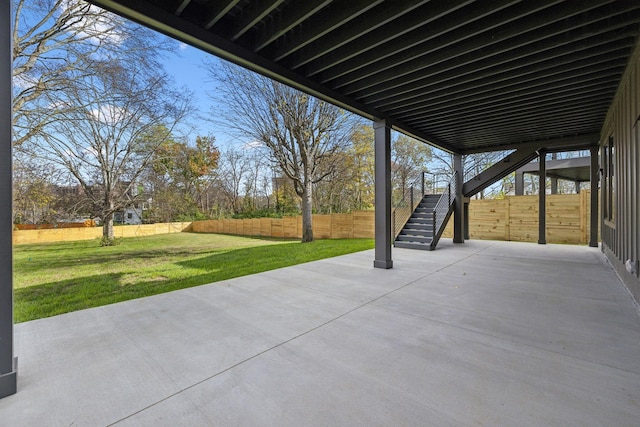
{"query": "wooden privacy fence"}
(87, 223)
(516, 218)
(354, 225)
(512, 218)
(88, 233)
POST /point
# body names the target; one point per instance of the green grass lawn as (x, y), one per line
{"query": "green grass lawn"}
(57, 278)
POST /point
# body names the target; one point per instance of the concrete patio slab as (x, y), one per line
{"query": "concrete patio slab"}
(485, 333)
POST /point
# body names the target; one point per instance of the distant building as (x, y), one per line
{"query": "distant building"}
(132, 215)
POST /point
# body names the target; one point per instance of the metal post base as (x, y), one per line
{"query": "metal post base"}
(9, 381)
(383, 264)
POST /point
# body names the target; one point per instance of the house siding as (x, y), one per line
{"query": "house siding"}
(621, 235)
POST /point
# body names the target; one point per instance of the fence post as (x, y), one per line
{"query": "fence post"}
(422, 182)
(393, 222)
(411, 197)
(507, 218)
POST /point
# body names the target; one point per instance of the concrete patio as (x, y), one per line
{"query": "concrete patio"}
(485, 333)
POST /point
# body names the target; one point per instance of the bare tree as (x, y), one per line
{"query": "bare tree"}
(409, 158)
(442, 166)
(55, 41)
(234, 167)
(301, 132)
(330, 194)
(33, 191)
(99, 137)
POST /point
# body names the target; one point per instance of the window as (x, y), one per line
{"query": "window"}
(612, 181)
(608, 180)
(129, 215)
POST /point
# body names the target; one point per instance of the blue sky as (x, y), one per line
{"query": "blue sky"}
(186, 67)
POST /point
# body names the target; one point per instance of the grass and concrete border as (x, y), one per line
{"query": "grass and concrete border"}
(55, 278)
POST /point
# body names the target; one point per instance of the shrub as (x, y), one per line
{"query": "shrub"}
(109, 241)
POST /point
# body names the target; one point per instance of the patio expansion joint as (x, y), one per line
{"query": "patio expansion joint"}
(287, 341)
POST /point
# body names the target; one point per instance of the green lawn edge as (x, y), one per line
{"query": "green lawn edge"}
(114, 274)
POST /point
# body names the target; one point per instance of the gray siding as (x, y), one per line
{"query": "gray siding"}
(621, 237)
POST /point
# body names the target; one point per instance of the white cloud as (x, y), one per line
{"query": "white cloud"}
(109, 114)
(58, 105)
(183, 46)
(252, 145)
(97, 25)
(23, 81)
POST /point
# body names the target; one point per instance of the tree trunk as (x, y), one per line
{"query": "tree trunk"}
(107, 227)
(307, 218)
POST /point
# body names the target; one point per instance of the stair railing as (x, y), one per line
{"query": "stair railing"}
(443, 209)
(407, 203)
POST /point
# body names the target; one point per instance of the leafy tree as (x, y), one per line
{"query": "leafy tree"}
(202, 161)
(301, 132)
(33, 192)
(188, 166)
(286, 200)
(409, 159)
(179, 176)
(362, 165)
(350, 186)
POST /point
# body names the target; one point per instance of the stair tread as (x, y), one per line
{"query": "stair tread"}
(412, 245)
(415, 239)
(418, 232)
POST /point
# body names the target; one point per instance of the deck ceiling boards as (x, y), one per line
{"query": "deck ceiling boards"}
(467, 76)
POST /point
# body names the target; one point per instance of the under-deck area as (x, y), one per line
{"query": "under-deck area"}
(485, 333)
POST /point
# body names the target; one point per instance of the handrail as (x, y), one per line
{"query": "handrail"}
(442, 210)
(406, 204)
(435, 182)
